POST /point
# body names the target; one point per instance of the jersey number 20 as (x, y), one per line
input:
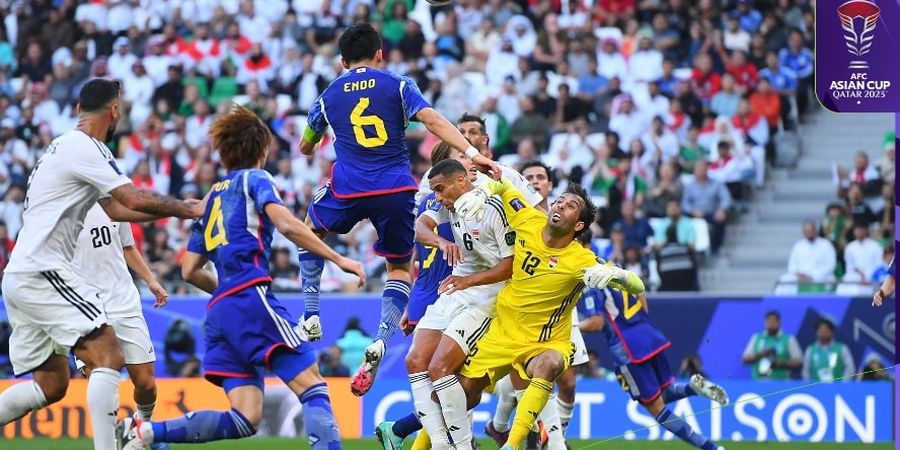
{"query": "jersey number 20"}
(359, 121)
(214, 234)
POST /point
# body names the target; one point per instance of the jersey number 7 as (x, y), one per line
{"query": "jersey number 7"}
(359, 121)
(214, 233)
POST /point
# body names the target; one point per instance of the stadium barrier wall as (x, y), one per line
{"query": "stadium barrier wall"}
(763, 411)
(715, 328)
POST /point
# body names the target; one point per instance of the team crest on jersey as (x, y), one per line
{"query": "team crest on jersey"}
(511, 238)
(553, 261)
(476, 234)
(516, 204)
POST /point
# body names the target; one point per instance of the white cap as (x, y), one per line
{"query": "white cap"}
(121, 41)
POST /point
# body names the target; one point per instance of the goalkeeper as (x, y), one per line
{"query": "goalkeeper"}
(532, 331)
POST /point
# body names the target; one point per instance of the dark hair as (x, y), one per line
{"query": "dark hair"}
(440, 152)
(359, 42)
(723, 144)
(531, 164)
(447, 168)
(96, 94)
(466, 117)
(826, 322)
(586, 236)
(774, 313)
(588, 212)
(241, 138)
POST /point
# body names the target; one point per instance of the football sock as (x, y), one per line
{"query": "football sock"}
(680, 428)
(393, 302)
(565, 413)
(530, 406)
(103, 403)
(20, 399)
(146, 411)
(550, 416)
(406, 426)
(677, 392)
(311, 267)
(456, 415)
(203, 426)
(506, 402)
(428, 410)
(318, 418)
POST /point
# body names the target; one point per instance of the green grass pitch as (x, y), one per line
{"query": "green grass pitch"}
(371, 444)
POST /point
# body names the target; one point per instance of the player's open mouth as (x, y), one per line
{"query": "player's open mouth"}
(556, 217)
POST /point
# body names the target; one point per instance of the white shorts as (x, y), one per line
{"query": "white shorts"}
(49, 312)
(581, 355)
(463, 323)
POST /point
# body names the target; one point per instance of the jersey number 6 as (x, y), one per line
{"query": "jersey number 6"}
(215, 224)
(359, 121)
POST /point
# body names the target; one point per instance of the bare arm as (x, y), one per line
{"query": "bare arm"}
(438, 125)
(192, 271)
(136, 263)
(120, 213)
(593, 323)
(426, 235)
(300, 234)
(502, 271)
(152, 203)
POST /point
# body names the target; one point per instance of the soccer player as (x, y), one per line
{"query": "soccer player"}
(246, 326)
(532, 331)
(368, 109)
(51, 308)
(887, 286)
(104, 253)
(639, 355)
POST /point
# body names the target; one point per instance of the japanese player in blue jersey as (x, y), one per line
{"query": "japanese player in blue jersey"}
(246, 327)
(887, 286)
(368, 110)
(432, 269)
(639, 355)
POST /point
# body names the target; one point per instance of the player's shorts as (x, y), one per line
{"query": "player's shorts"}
(581, 354)
(243, 330)
(134, 340)
(391, 214)
(49, 312)
(419, 300)
(646, 381)
(499, 352)
(463, 323)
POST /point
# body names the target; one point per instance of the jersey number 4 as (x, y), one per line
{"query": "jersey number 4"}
(359, 121)
(214, 233)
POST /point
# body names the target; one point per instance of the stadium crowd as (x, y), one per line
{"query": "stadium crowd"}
(668, 112)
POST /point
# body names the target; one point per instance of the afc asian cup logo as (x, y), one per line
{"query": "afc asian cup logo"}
(858, 34)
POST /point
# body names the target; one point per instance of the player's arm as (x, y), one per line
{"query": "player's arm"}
(501, 272)
(515, 204)
(600, 275)
(316, 124)
(136, 263)
(300, 234)
(588, 308)
(193, 272)
(887, 286)
(425, 226)
(152, 204)
(438, 125)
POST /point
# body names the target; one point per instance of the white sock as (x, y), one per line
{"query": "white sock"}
(453, 404)
(565, 413)
(429, 411)
(550, 416)
(506, 403)
(146, 411)
(20, 399)
(103, 403)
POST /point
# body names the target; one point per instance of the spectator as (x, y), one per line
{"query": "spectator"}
(675, 260)
(736, 38)
(683, 227)
(725, 102)
(667, 188)
(827, 359)
(874, 370)
(637, 230)
(285, 274)
(767, 103)
(813, 258)
(710, 200)
(863, 174)
(858, 207)
(330, 363)
(836, 226)
(179, 347)
(353, 343)
(799, 59)
(744, 72)
(691, 365)
(862, 256)
(772, 353)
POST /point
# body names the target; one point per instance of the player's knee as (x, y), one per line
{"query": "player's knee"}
(145, 386)
(416, 362)
(547, 368)
(438, 369)
(566, 385)
(55, 391)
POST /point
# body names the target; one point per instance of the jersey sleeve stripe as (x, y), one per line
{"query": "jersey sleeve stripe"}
(403, 103)
(498, 205)
(324, 114)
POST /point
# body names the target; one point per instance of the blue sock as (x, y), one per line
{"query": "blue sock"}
(321, 426)
(203, 426)
(406, 426)
(677, 392)
(680, 428)
(311, 267)
(393, 302)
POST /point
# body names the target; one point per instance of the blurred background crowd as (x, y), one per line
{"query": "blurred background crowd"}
(669, 112)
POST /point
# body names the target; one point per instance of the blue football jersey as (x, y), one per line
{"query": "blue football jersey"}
(368, 110)
(628, 328)
(430, 260)
(235, 233)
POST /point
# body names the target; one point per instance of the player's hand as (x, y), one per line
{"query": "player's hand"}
(598, 276)
(487, 166)
(162, 296)
(470, 206)
(878, 298)
(198, 207)
(350, 266)
(452, 284)
(452, 253)
(404, 324)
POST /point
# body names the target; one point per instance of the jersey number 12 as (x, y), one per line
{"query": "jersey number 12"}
(359, 121)
(214, 233)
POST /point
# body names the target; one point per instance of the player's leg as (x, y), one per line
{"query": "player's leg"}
(301, 373)
(137, 347)
(565, 397)
(661, 413)
(393, 218)
(541, 370)
(698, 385)
(48, 386)
(100, 349)
(463, 333)
(498, 427)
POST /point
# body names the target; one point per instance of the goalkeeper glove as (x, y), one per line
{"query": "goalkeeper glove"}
(470, 206)
(598, 276)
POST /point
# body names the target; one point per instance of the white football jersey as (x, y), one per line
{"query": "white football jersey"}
(66, 182)
(531, 194)
(483, 244)
(99, 259)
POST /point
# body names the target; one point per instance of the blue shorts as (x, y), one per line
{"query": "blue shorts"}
(391, 214)
(646, 381)
(243, 330)
(422, 296)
